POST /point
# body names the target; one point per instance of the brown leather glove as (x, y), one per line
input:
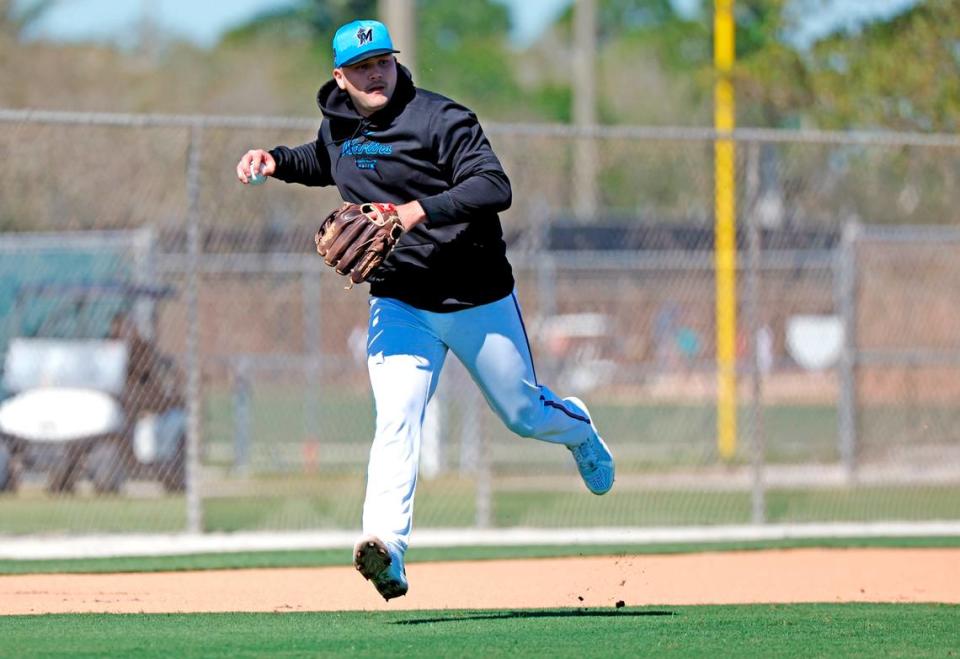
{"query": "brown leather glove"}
(355, 238)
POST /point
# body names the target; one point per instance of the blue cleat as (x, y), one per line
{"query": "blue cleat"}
(374, 560)
(594, 460)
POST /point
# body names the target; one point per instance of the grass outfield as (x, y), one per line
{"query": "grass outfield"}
(647, 434)
(341, 557)
(822, 630)
(336, 503)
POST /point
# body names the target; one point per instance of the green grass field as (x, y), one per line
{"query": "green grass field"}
(650, 435)
(814, 630)
(532, 484)
(802, 630)
(279, 496)
(335, 502)
(665, 434)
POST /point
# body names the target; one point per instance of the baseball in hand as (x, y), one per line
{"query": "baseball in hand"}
(256, 175)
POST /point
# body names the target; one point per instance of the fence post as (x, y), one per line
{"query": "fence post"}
(585, 191)
(242, 416)
(194, 508)
(484, 482)
(545, 278)
(310, 293)
(757, 440)
(846, 268)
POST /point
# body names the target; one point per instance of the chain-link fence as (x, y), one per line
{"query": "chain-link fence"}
(175, 357)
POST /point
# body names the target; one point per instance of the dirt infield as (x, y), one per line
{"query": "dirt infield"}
(776, 576)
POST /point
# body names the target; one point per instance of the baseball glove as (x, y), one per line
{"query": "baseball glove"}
(355, 238)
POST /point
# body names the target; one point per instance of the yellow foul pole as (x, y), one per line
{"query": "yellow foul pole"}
(725, 248)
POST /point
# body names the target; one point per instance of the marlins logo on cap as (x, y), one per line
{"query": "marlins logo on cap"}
(359, 40)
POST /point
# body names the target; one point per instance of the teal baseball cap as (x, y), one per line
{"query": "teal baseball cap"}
(359, 40)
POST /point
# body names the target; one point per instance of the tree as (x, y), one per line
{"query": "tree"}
(13, 21)
(462, 52)
(650, 62)
(314, 20)
(772, 84)
(903, 74)
(769, 75)
(899, 73)
(461, 46)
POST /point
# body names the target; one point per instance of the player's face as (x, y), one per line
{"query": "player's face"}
(370, 83)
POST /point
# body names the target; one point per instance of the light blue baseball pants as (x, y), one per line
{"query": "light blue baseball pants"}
(406, 348)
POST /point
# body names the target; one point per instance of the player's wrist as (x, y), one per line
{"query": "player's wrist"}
(411, 214)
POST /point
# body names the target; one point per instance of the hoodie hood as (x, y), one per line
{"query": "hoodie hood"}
(335, 103)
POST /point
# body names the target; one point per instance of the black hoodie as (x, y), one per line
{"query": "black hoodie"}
(421, 146)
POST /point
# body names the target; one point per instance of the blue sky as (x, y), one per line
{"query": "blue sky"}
(202, 21)
(836, 15)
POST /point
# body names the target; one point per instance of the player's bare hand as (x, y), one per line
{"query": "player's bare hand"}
(253, 161)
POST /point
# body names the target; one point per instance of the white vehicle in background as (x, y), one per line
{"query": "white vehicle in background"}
(86, 396)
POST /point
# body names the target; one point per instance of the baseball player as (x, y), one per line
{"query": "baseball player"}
(445, 286)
